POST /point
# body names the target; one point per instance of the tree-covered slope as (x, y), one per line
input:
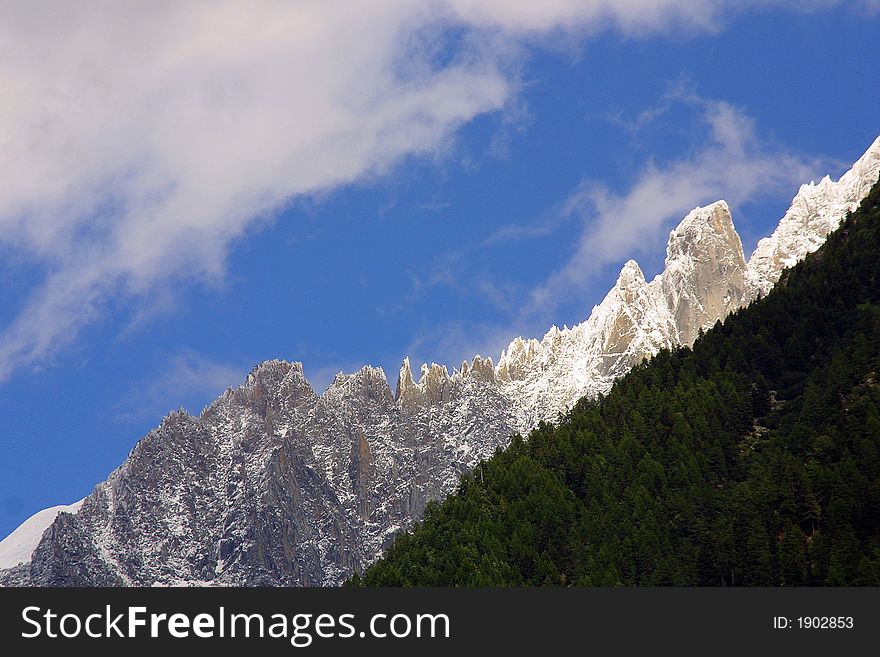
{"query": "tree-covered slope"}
(751, 459)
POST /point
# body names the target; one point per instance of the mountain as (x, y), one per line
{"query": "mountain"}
(816, 210)
(705, 278)
(751, 459)
(20, 544)
(274, 484)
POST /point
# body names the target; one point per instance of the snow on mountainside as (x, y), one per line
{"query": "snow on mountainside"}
(704, 279)
(816, 211)
(18, 547)
(274, 484)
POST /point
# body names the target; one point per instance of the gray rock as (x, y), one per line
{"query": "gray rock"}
(274, 485)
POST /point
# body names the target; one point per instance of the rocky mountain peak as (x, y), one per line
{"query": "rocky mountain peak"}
(700, 228)
(514, 361)
(405, 383)
(630, 282)
(434, 386)
(368, 383)
(705, 235)
(480, 369)
(706, 276)
(275, 383)
(273, 370)
(274, 485)
(816, 210)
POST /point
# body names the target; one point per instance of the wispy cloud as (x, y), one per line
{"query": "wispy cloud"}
(546, 224)
(734, 163)
(454, 341)
(186, 375)
(139, 141)
(731, 160)
(454, 270)
(321, 377)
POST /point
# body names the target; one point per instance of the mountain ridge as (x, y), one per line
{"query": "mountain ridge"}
(750, 459)
(275, 484)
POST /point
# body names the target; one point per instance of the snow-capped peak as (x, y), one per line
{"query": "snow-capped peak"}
(700, 224)
(631, 278)
(18, 547)
(706, 275)
(816, 210)
(274, 485)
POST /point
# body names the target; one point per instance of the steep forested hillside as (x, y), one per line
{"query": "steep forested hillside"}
(752, 459)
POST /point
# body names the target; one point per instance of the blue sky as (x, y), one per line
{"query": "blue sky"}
(184, 196)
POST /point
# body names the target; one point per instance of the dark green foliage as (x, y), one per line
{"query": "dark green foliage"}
(752, 459)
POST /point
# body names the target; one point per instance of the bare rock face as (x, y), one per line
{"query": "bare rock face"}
(631, 324)
(275, 485)
(706, 275)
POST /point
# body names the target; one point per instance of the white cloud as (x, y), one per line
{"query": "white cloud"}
(139, 140)
(629, 16)
(733, 163)
(186, 375)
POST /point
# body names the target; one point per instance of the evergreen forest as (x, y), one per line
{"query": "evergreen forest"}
(751, 459)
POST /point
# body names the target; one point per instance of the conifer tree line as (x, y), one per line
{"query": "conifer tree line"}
(751, 459)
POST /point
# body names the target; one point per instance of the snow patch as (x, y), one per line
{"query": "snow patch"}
(19, 546)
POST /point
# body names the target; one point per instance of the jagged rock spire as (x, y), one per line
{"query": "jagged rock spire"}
(275, 485)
